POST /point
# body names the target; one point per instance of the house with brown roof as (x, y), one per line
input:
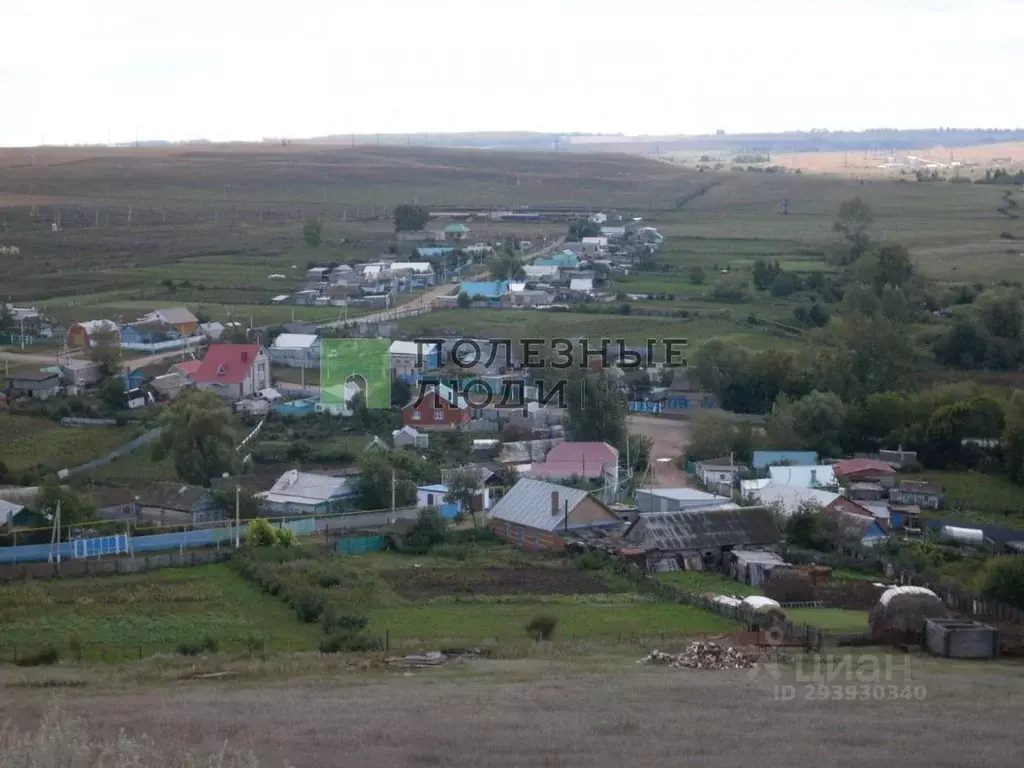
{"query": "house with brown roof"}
(857, 526)
(179, 318)
(178, 503)
(864, 471)
(234, 371)
(592, 461)
(918, 493)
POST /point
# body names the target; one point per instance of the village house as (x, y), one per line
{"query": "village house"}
(719, 472)
(169, 386)
(864, 491)
(407, 437)
(115, 503)
(438, 409)
(84, 334)
(613, 232)
(186, 367)
(175, 503)
(547, 273)
(456, 231)
(764, 459)
(39, 385)
(306, 493)
(677, 500)
(537, 515)
(786, 499)
(434, 496)
(590, 461)
(296, 350)
(179, 318)
(234, 371)
(857, 527)
(864, 470)
(81, 373)
(698, 540)
(917, 493)
(809, 476)
(147, 333)
(409, 357)
(488, 291)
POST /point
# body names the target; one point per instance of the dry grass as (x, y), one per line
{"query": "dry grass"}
(603, 711)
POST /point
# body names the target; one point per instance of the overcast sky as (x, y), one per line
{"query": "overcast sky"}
(80, 71)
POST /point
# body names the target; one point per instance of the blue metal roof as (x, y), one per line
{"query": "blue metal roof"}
(488, 289)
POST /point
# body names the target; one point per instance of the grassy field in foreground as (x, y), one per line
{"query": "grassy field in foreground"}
(28, 442)
(121, 617)
(482, 622)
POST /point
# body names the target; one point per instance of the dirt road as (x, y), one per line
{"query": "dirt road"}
(535, 713)
(669, 438)
(80, 354)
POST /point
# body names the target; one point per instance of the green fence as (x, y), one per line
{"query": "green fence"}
(359, 545)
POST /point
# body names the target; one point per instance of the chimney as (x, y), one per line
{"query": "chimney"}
(554, 503)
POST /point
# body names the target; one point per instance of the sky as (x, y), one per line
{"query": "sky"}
(98, 71)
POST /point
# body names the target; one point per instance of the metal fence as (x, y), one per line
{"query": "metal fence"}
(110, 566)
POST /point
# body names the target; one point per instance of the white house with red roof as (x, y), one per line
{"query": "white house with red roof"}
(234, 371)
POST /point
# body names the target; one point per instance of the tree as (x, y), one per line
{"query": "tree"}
(250, 506)
(410, 218)
(463, 488)
(7, 324)
(373, 488)
(1013, 449)
(105, 351)
(312, 232)
(862, 355)
(583, 228)
(75, 508)
(198, 436)
(965, 345)
(464, 302)
(852, 223)
(783, 285)
(808, 529)
(764, 273)
(697, 275)
(401, 392)
(1002, 315)
(596, 409)
(507, 266)
(818, 421)
(112, 391)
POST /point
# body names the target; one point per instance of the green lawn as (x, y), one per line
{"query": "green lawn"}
(832, 620)
(699, 582)
(588, 619)
(979, 498)
(121, 617)
(136, 470)
(29, 443)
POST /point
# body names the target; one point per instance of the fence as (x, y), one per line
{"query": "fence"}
(75, 421)
(110, 566)
(956, 598)
(128, 447)
(359, 545)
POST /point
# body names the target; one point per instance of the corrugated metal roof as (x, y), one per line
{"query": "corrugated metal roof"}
(305, 488)
(790, 497)
(529, 504)
(809, 476)
(295, 341)
(705, 529)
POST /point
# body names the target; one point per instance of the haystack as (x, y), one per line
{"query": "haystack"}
(901, 611)
(788, 585)
(769, 613)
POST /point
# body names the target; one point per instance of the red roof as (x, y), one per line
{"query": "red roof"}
(854, 466)
(568, 459)
(227, 363)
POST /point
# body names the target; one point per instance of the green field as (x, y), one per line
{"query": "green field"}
(832, 620)
(979, 498)
(123, 617)
(700, 582)
(32, 443)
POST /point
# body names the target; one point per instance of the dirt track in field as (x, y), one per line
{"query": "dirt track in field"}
(534, 713)
(670, 438)
(426, 583)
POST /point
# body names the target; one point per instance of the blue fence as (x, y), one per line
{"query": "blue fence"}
(361, 545)
(671, 403)
(207, 537)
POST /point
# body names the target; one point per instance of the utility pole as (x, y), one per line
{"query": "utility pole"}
(392, 495)
(238, 512)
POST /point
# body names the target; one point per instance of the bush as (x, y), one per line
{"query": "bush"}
(256, 644)
(335, 620)
(428, 532)
(189, 649)
(1003, 580)
(592, 561)
(261, 533)
(42, 657)
(211, 644)
(308, 605)
(458, 552)
(541, 627)
(342, 642)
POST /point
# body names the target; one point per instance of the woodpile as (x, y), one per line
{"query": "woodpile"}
(704, 655)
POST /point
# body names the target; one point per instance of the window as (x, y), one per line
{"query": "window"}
(430, 499)
(438, 415)
(522, 535)
(416, 415)
(536, 540)
(506, 531)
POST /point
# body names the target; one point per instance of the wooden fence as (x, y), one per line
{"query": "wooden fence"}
(956, 598)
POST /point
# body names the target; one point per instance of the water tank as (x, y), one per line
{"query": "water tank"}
(962, 535)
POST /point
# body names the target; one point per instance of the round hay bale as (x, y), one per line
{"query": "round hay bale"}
(768, 612)
(788, 585)
(901, 611)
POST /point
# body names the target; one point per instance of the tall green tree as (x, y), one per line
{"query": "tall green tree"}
(463, 488)
(373, 488)
(596, 409)
(75, 507)
(106, 351)
(581, 228)
(506, 266)
(198, 436)
(852, 224)
(312, 232)
(410, 218)
(862, 355)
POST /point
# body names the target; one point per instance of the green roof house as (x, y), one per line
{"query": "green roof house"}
(456, 232)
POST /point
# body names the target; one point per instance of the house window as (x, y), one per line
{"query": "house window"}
(506, 531)
(536, 540)
(416, 415)
(438, 415)
(522, 535)
(430, 499)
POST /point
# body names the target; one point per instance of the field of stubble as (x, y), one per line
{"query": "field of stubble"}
(562, 714)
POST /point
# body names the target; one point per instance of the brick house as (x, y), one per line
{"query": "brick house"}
(535, 514)
(234, 371)
(438, 409)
